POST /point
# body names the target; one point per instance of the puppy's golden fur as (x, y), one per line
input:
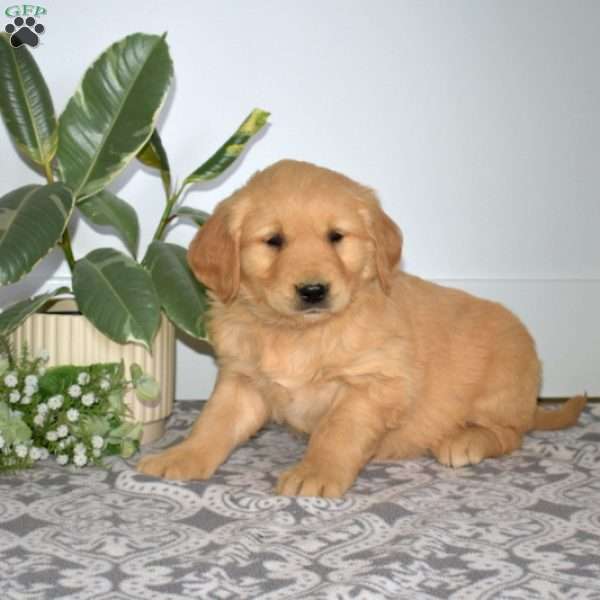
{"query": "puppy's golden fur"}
(386, 366)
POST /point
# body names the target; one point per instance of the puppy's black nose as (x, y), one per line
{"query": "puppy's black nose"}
(312, 293)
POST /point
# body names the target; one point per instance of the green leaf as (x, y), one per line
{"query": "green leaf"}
(32, 221)
(198, 216)
(153, 155)
(112, 371)
(181, 295)
(231, 149)
(115, 401)
(4, 412)
(104, 208)
(25, 104)
(95, 425)
(56, 380)
(117, 295)
(13, 316)
(136, 372)
(14, 430)
(126, 431)
(147, 389)
(112, 114)
(130, 447)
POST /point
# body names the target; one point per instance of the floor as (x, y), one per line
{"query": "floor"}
(524, 526)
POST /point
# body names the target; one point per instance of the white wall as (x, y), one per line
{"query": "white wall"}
(477, 122)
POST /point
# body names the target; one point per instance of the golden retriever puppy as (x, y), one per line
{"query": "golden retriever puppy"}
(314, 326)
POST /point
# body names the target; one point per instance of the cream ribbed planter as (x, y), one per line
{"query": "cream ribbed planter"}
(70, 338)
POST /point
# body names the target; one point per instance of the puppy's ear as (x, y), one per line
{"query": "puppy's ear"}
(387, 238)
(214, 254)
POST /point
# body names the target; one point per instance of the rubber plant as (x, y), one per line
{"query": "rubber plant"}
(108, 122)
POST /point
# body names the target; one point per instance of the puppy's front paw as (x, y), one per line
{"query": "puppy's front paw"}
(306, 479)
(180, 462)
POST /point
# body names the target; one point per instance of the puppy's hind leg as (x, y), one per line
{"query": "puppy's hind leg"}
(473, 443)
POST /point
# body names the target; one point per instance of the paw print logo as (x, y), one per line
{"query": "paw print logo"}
(24, 31)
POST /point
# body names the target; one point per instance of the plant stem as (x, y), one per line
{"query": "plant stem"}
(48, 173)
(65, 243)
(4, 343)
(166, 216)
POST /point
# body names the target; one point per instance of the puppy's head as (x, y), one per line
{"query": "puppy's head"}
(298, 240)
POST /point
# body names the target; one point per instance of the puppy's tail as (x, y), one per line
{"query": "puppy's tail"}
(566, 416)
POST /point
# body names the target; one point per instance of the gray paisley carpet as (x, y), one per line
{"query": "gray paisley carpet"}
(525, 526)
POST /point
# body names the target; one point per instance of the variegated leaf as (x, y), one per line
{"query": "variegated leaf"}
(153, 155)
(181, 295)
(231, 149)
(198, 216)
(32, 221)
(25, 104)
(106, 209)
(112, 114)
(117, 295)
(13, 316)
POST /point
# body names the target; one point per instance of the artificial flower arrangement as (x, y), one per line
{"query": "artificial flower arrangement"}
(75, 414)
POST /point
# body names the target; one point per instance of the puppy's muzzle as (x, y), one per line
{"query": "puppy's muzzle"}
(312, 295)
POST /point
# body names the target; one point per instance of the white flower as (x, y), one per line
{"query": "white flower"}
(42, 408)
(21, 450)
(88, 399)
(26, 399)
(44, 355)
(35, 453)
(97, 452)
(41, 371)
(80, 460)
(11, 380)
(62, 431)
(14, 396)
(97, 441)
(80, 448)
(83, 378)
(30, 390)
(62, 444)
(39, 420)
(51, 436)
(73, 415)
(62, 459)
(31, 380)
(1, 442)
(104, 384)
(44, 453)
(74, 391)
(55, 402)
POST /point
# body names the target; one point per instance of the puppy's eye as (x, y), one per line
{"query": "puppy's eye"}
(335, 236)
(275, 240)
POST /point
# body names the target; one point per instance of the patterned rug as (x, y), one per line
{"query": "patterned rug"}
(525, 526)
